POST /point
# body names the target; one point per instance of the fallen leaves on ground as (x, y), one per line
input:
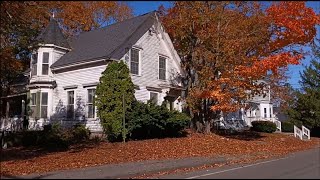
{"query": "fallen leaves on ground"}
(20, 161)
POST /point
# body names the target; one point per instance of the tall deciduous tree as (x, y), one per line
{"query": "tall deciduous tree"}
(114, 90)
(78, 16)
(227, 46)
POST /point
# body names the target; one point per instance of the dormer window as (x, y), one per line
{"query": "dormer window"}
(45, 63)
(34, 62)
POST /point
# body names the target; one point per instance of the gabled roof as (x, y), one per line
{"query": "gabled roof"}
(52, 34)
(107, 43)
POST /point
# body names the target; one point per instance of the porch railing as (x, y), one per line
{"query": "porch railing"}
(278, 124)
(11, 124)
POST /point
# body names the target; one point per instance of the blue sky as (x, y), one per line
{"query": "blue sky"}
(141, 7)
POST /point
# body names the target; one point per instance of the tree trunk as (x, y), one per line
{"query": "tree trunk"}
(207, 127)
(7, 109)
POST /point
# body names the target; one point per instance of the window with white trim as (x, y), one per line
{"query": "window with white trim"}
(44, 105)
(162, 68)
(265, 112)
(134, 61)
(33, 104)
(45, 63)
(34, 62)
(70, 104)
(154, 97)
(90, 103)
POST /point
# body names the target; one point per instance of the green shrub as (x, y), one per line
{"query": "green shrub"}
(31, 138)
(13, 139)
(148, 120)
(264, 126)
(80, 133)
(51, 137)
(55, 137)
(176, 122)
(114, 85)
(287, 126)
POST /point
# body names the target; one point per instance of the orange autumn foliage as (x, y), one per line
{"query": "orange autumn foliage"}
(80, 16)
(232, 45)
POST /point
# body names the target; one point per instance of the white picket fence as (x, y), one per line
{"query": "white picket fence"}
(300, 133)
(306, 132)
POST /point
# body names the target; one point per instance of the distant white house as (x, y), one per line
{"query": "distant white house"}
(64, 75)
(260, 109)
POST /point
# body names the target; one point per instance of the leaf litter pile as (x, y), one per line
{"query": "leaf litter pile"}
(23, 161)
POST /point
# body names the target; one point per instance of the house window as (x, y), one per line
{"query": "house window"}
(154, 97)
(90, 103)
(34, 64)
(44, 105)
(45, 63)
(134, 61)
(265, 112)
(270, 113)
(162, 68)
(70, 104)
(33, 104)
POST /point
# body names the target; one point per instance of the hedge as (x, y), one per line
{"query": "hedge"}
(287, 126)
(264, 126)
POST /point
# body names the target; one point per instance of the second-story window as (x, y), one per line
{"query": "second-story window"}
(34, 62)
(134, 61)
(162, 68)
(45, 63)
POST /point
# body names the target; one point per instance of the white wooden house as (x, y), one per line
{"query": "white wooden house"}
(260, 109)
(64, 74)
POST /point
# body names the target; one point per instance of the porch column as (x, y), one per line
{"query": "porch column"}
(22, 108)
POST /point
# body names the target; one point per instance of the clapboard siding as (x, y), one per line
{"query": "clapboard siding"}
(151, 46)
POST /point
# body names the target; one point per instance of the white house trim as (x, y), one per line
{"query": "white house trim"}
(54, 46)
(78, 64)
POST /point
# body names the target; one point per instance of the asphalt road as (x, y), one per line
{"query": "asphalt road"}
(301, 165)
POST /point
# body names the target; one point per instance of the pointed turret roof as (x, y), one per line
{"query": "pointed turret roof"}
(52, 34)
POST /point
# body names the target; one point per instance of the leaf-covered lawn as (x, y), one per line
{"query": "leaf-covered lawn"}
(20, 161)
